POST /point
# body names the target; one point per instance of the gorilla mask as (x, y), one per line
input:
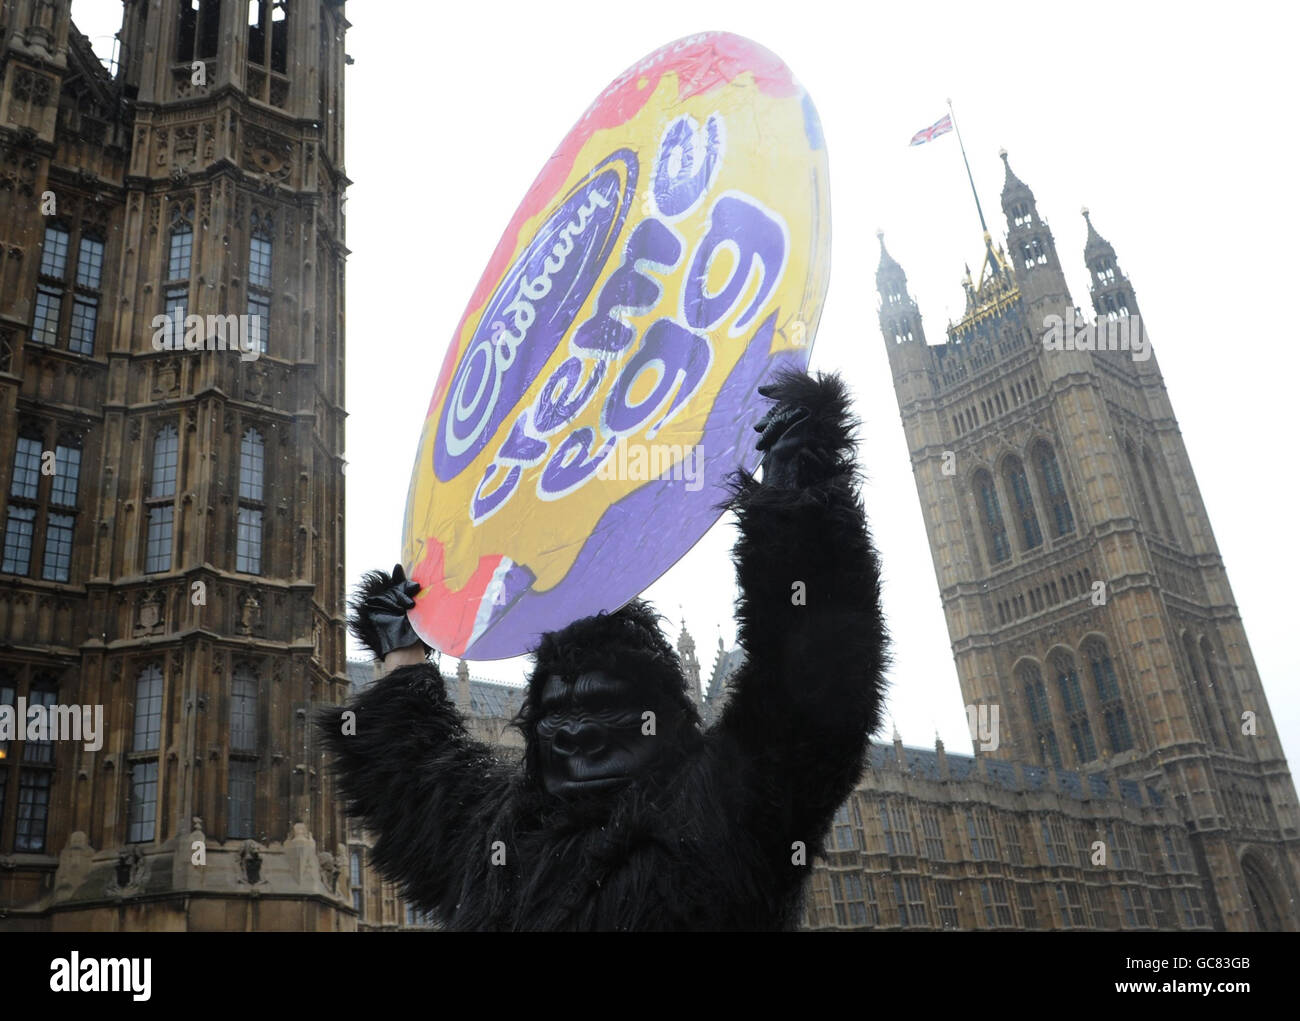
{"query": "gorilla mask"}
(585, 715)
(591, 733)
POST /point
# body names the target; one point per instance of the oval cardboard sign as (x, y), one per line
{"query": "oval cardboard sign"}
(671, 256)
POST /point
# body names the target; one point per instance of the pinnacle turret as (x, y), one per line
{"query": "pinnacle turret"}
(900, 320)
(690, 664)
(1012, 185)
(1017, 200)
(1096, 244)
(1112, 293)
(1030, 245)
(890, 278)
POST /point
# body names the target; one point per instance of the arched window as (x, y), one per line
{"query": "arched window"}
(1053, 486)
(241, 803)
(252, 466)
(162, 490)
(199, 30)
(243, 710)
(242, 790)
(1114, 717)
(260, 243)
(148, 710)
(24, 489)
(1040, 713)
(37, 773)
(1201, 698)
(166, 458)
(142, 805)
(8, 692)
(1104, 270)
(86, 294)
(1014, 473)
(995, 532)
(59, 274)
(44, 692)
(67, 471)
(1158, 492)
(1076, 710)
(1222, 696)
(180, 251)
(1139, 487)
(354, 879)
(1263, 901)
(268, 49)
(51, 286)
(26, 478)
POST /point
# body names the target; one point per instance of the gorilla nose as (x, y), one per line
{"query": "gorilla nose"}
(579, 739)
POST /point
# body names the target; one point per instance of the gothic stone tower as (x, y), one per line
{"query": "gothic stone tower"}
(690, 665)
(172, 515)
(1084, 593)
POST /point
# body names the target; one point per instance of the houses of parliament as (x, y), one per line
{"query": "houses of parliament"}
(173, 542)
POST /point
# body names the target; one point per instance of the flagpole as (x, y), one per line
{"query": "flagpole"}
(969, 176)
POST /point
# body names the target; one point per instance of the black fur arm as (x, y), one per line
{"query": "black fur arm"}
(418, 782)
(810, 624)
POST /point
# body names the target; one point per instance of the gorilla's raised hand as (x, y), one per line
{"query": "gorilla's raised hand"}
(377, 617)
(806, 434)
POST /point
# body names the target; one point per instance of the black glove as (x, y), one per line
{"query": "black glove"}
(794, 454)
(378, 612)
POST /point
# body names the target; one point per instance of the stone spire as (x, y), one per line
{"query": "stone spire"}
(1113, 297)
(462, 686)
(900, 319)
(690, 665)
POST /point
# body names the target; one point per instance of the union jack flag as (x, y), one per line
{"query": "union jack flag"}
(939, 127)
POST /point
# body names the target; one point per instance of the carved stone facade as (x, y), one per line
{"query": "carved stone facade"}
(930, 840)
(181, 564)
(1086, 599)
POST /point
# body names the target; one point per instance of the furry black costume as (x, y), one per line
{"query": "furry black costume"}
(706, 835)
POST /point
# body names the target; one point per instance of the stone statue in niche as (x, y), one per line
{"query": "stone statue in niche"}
(130, 873)
(149, 615)
(250, 613)
(255, 383)
(329, 870)
(250, 864)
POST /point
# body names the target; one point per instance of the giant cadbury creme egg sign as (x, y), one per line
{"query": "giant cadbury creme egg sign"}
(671, 256)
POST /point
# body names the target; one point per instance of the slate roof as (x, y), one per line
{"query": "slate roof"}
(960, 767)
(1003, 774)
(924, 762)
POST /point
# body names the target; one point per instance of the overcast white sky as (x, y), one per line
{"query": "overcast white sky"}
(1173, 124)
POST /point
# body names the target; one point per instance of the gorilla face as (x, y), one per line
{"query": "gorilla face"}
(589, 734)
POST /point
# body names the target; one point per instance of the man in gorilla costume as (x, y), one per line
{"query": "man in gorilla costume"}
(605, 825)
